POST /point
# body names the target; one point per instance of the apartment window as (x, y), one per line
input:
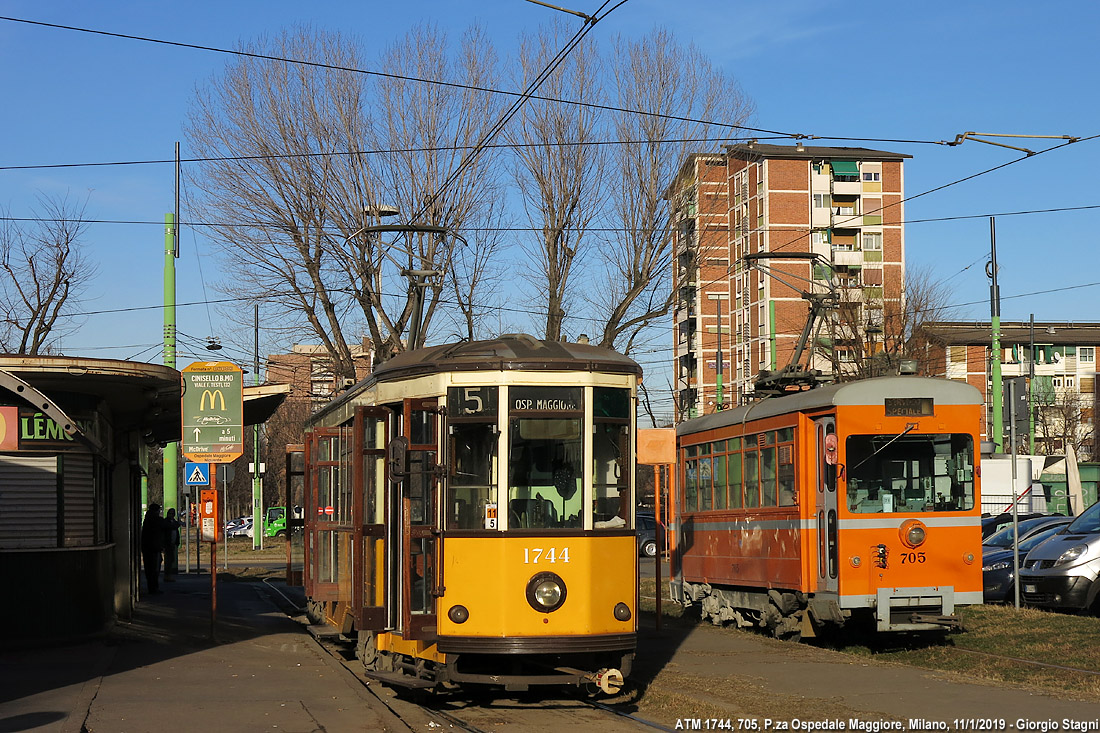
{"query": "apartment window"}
(1087, 353)
(822, 200)
(872, 240)
(846, 205)
(817, 238)
(845, 356)
(872, 177)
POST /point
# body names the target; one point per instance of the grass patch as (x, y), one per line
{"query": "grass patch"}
(1028, 634)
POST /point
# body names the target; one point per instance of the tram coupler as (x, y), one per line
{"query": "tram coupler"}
(610, 681)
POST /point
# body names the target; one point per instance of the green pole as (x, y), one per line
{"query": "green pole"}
(997, 385)
(1031, 385)
(171, 461)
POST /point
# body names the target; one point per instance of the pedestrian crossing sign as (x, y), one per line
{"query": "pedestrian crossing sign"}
(197, 474)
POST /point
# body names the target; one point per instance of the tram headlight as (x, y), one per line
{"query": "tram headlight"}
(622, 612)
(913, 533)
(458, 614)
(546, 592)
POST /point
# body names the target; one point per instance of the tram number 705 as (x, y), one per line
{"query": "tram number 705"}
(535, 555)
(912, 558)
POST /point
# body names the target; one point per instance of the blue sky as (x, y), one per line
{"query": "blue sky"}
(858, 69)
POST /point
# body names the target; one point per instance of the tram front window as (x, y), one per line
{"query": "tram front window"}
(473, 476)
(909, 473)
(545, 473)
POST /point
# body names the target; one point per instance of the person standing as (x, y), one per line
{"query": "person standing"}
(152, 545)
(171, 546)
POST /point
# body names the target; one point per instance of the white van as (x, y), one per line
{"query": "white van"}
(1063, 572)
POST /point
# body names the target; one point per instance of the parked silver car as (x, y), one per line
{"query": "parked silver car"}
(1063, 572)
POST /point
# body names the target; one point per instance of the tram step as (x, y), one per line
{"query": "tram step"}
(323, 631)
(396, 678)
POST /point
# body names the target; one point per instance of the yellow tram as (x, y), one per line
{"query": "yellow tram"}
(469, 515)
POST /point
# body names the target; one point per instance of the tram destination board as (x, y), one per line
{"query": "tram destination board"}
(213, 412)
(909, 406)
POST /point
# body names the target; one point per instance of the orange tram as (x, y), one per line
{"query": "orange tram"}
(470, 516)
(846, 503)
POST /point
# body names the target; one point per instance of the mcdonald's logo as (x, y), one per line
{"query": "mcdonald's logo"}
(216, 397)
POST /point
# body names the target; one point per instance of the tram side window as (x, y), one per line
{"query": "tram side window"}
(422, 465)
(720, 482)
(767, 476)
(333, 477)
(610, 482)
(691, 482)
(611, 454)
(752, 479)
(705, 476)
(374, 469)
(734, 473)
(910, 473)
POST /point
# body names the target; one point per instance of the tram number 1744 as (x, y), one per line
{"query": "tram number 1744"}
(535, 555)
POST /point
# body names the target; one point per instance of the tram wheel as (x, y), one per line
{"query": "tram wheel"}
(367, 650)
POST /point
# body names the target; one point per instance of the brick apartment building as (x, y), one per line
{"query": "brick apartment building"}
(308, 371)
(1063, 356)
(841, 203)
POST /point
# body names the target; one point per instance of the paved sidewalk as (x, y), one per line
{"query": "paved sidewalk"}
(161, 672)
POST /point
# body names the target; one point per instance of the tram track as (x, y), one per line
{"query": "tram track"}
(481, 712)
(528, 712)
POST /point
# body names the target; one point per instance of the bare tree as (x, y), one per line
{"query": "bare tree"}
(291, 182)
(436, 174)
(267, 129)
(46, 272)
(1060, 419)
(558, 169)
(871, 336)
(668, 95)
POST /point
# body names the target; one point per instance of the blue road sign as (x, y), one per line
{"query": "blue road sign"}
(197, 474)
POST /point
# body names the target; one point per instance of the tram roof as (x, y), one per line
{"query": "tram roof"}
(863, 392)
(509, 352)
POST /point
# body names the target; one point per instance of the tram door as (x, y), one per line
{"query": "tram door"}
(330, 532)
(372, 436)
(825, 503)
(412, 531)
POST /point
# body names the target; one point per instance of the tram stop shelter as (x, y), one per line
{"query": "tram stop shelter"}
(75, 438)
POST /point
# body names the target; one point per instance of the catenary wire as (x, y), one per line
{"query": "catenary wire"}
(399, 77)
(185, 223)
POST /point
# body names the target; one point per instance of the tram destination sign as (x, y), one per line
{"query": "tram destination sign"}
(213, 412)
(909, 406)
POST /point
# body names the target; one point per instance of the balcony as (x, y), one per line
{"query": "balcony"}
(847, 257)
(847, 188)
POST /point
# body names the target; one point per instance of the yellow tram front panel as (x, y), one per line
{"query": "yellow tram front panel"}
(490, 576)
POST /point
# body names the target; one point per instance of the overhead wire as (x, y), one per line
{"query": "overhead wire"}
(885, 207)
(926, 220)
(402, 77)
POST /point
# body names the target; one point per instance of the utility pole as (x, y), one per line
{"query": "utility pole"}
(257, 482)
(996, 387)
(171, 252)
(1031, 386)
